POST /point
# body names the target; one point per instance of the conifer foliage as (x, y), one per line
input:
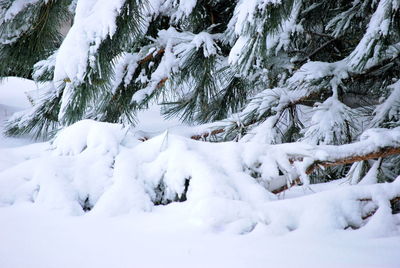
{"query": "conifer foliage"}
(320, 72)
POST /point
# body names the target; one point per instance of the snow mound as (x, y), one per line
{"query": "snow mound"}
(89, 134)
(103, 169)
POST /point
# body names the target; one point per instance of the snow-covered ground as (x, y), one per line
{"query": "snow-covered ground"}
(34, 235)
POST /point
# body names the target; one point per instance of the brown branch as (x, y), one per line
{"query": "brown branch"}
(308, 100)
(382, 152)
(205, 135)
(392, 201)
(285, 187)
(151, 56)
(161, 83)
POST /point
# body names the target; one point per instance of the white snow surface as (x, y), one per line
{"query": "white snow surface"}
(228, 220)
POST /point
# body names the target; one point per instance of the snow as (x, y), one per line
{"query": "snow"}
(95, 134)
(43, 66)
(234, 54)
(16, 7)
(36, 237)
(313, 70)
(228, 220)
(328, 122)
(184, 9)
(378, 27)
(281, 40)
(104, 167)
(84, 38)
(17, 98)
(205, 40)
(389, 108)
(126, 66)
(245, 12)
(11, 31)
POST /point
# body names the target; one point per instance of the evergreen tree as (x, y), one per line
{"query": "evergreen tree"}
(271, 71)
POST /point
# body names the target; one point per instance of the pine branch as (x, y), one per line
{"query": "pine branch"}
(320, 48)
(305, 100)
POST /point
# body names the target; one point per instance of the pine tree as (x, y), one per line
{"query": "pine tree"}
(271, 71)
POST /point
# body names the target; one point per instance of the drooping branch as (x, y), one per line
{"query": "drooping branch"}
(382, 152)
(335, 155)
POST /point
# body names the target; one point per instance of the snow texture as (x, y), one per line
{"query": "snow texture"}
(98, 169)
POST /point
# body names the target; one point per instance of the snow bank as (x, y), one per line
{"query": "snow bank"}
(13, 92)
(104, 169)
(88, 134)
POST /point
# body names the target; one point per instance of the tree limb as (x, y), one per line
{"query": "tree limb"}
(382, 152)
